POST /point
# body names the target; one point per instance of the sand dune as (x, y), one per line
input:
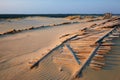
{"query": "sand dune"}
(26, 46)
(20, 51)
(24, 23)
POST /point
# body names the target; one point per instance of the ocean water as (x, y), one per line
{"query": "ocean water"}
(4, 16)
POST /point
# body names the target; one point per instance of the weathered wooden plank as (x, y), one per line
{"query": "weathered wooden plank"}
(99, 41)
(98, 59)
(86, 62)
(75, 57)
(98, 63)
(109, 32)
(108, 44)
(101, 56)
(95, 67)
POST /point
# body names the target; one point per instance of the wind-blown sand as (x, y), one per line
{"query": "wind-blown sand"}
(23, 23)
(18, 52)
(112, 69)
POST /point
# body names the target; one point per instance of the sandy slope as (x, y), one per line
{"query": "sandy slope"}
(16, 51)
(111, 70)
(23, 23)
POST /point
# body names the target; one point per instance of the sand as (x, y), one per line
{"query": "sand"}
(111, 70)
(18, 52)
(23, 23)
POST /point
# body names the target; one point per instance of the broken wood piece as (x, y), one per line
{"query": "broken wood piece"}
(95, 67)
(64, 36)
(98, 63)
(107, 39)
(108, 44)
(98, 59)
(99, 56)
(113, 36)
(101, 53)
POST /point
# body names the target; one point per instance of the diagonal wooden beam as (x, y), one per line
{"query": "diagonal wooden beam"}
(73, 53)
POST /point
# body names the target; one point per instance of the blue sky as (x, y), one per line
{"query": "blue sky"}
(59, 6)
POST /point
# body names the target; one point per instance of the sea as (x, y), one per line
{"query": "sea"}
(46, 15)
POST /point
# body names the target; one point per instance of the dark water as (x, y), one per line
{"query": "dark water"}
(4, 16)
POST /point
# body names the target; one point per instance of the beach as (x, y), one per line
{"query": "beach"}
(30, 48)
(27, 22)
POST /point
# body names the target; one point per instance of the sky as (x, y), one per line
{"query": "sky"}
(59, 6)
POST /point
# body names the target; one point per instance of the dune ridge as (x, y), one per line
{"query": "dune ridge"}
(31, 55)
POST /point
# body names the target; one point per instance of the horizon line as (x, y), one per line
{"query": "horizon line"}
(49, 13)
